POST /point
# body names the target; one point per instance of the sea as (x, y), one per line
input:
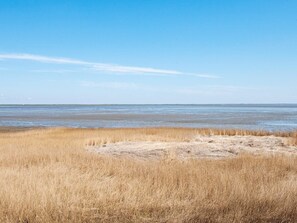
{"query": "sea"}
(269, 117)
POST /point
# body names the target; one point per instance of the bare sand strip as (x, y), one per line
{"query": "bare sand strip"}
(200, 146)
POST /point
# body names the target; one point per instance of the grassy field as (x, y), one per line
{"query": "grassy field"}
(48, 176)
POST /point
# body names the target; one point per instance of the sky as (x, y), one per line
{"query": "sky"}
(148, 51)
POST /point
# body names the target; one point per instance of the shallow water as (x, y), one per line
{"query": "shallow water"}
(275, 117)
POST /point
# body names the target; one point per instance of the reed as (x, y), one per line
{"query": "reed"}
(48, 176)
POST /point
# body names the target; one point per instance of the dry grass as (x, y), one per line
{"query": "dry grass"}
(171, 134)
(47, 176)
(293, 138)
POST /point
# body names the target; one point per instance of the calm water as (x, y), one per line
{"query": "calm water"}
(268, 117)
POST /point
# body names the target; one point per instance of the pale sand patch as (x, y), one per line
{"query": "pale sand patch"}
(199, 147)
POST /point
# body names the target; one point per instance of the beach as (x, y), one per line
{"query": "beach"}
(147, 175)
(148, 111)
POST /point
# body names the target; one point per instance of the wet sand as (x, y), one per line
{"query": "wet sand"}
(252, 117)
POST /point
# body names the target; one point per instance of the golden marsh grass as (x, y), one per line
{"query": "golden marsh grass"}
(48, 176)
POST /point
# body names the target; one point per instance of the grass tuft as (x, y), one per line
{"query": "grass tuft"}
(48, 176)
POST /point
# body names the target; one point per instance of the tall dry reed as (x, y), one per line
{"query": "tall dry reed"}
(47, 176)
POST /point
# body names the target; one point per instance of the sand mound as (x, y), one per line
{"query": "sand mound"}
(199, 147)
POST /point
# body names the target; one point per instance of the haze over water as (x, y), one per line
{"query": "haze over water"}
(274, 117)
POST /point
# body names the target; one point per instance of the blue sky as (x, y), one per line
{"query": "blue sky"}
(157, 51)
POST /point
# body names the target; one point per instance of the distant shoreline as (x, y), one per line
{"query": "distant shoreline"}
(215, 104)
(212, 131)
(17, 129)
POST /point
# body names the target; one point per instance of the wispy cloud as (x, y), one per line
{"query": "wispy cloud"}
(113, 68)
(61, 71)
(202, 90)
(43, 59)
(110, 85)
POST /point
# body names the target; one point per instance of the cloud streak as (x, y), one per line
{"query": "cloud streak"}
(198, 90)
(112, 85)
(103, 67)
